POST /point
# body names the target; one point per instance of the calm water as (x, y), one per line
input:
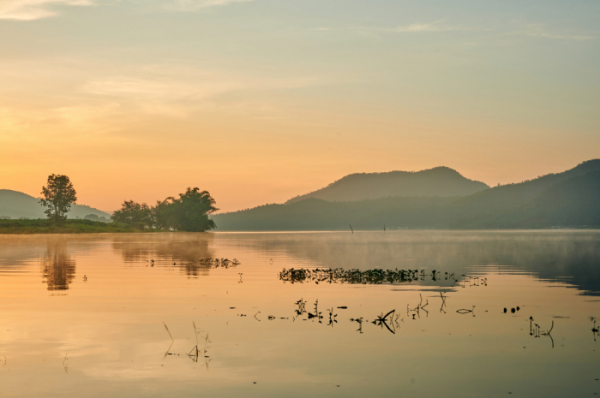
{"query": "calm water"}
(149, 316)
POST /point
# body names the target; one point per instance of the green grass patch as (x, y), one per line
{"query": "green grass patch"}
(67, 227)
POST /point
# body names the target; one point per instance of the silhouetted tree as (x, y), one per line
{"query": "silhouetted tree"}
(58, 196)
(187, 213)
(135, 214)
(165, 213)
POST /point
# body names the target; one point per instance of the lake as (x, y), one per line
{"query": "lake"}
(331, 314)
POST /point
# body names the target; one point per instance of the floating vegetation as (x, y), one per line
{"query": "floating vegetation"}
(374, 276)
(356, 276)
(301, 307)
(219, 262)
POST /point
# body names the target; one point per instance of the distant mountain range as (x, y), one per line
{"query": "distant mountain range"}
(15, 205)
(568, 199)
(439, 181)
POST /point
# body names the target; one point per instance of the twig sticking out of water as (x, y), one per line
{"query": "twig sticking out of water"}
(421, 303)
(168, 350)
(595, 330)
(382, 321)
(360, 322)
(167, 329)
(66, 365)
(534, 330)
(443, 302)
(206, 341)
(466, 311)
(332, 317)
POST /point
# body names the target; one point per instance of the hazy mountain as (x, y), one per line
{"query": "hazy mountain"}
(439, 181)
(566, 199)
(15, 204)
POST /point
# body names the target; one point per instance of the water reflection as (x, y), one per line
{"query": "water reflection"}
(571, 257)
(187, 251)
(58, 267)
(433, 312)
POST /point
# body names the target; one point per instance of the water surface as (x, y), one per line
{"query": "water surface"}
(154, 315)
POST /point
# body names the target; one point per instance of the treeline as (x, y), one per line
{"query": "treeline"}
(188, 213)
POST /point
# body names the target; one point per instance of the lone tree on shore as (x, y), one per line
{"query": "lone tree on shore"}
(58, 196)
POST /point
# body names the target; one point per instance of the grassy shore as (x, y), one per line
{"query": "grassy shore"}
(68, 227)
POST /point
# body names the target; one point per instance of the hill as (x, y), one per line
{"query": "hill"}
(16, 205)
(439, 181)
(567, 199)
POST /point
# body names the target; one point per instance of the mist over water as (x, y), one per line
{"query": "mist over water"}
(213, 314)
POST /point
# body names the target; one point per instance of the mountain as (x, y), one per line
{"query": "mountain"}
(568, 199)
(15, 204)
(439, 181)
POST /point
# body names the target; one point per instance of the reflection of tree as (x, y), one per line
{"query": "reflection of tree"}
(187, 251)
(57, 266)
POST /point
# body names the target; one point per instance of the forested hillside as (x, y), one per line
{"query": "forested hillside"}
(568, 199)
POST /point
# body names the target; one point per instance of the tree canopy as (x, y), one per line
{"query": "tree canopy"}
(188, 213)
(58, 196)
(134, 214)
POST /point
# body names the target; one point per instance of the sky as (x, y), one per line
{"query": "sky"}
(258, 101)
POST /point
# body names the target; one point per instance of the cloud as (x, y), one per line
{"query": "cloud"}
(28, 10)
(426, 27)
(535, 30)
(195, 5)
(178, 91)
(422, 28)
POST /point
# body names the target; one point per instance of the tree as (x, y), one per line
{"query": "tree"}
(165, 214)
(187, 213)
(58, 196)
(192, 209)
(134, 214)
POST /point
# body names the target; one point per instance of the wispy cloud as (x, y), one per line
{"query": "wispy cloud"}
(437, 26)
(195, 5)
(536, 30)
(531, 30)
(28, 10)
(178, 91)
(427, 27)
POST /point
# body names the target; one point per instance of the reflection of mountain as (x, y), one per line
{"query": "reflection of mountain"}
(184, 250)
(571, 257)
(57, 266)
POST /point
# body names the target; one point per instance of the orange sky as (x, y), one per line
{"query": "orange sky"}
(259, 101)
